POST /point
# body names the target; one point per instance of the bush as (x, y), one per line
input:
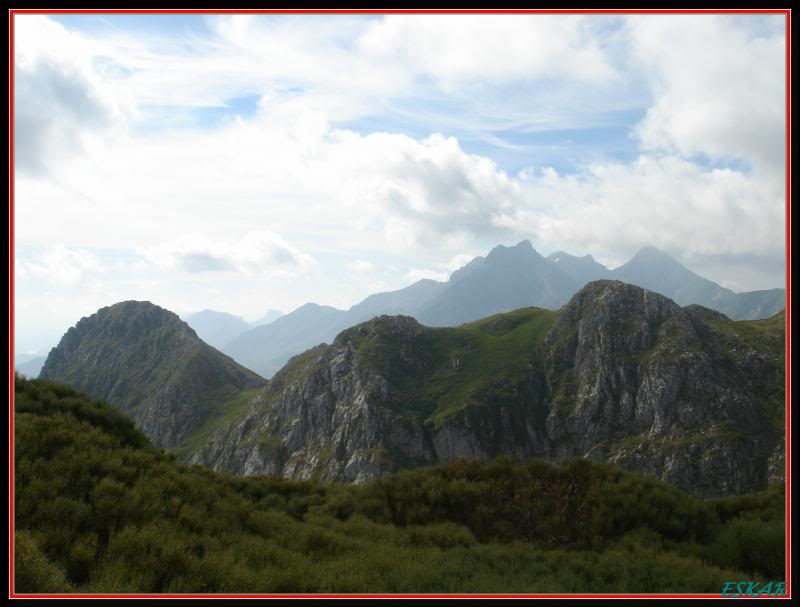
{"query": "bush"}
(33, 573)
(99, 510)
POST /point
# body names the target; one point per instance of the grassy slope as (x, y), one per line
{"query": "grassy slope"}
(767, 337)
(98, 509)
(222, 416)
(455, 367)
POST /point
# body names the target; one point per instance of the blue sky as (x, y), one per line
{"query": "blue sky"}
(513, 145)
(243, 163)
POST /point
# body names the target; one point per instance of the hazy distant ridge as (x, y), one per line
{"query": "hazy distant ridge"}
(506, 279)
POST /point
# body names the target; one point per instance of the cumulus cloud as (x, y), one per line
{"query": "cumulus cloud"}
(361, 146)
(61, 104)
(61, 266)
(665, 201)
(419, 192)
(257, 253)
(361, 266)
(718, 86)
(490, 48)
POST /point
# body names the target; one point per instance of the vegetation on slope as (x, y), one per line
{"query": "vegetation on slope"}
(151, 365)
(438, 371)
(98, 509)
(766, 337)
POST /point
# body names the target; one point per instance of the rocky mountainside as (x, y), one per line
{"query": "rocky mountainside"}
(620, 374)
(506, 279)
(151, 365)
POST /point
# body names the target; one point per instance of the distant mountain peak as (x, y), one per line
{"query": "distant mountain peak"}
(311, 306)
(653, 254)
(560, 255)
(523, 249)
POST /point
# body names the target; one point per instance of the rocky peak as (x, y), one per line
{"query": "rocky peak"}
(150, 364)
(650, 254)
(562, 255)
(132, 319)
(381, 328)
(622, 315)
(522, 250)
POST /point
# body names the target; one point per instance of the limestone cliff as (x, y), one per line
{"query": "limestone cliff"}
(619, 374)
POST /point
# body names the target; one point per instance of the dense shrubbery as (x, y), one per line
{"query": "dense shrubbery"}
(99, 510)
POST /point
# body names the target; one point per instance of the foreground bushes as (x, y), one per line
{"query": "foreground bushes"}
(99, 510)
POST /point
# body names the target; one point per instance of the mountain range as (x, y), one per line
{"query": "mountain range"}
(31, 367)
(506, 279)
(220, 328)
(619, 374)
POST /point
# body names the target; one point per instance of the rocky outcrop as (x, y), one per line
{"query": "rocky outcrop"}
(620, 374)
(655, 391)
(147, 362)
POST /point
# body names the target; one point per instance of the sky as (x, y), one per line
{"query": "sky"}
(241, 163)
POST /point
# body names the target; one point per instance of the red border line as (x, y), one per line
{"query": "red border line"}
(13, 12)
(369, 596)
(788, 302)
(11, 302)
(369, 11)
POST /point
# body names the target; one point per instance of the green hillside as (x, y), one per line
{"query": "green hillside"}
(441, 370)
(98, 509)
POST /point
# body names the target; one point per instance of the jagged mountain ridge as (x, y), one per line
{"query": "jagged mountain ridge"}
(506, 279)
(582, 269)
(151, 365)
(218, 329)
(620, 374)
(266, 349)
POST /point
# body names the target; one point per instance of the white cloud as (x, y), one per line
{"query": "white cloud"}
(63, 106)
(490, 48)
(61, 266)
(718, 86)
(668, 202)
(361, 266)
(258, 210)
(257, 253)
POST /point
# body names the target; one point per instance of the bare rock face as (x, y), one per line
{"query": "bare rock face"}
(655, 390)
(620, 374)
(147, 362)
